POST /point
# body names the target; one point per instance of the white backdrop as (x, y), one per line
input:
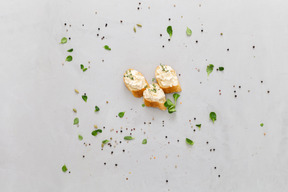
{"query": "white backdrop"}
(37, 133)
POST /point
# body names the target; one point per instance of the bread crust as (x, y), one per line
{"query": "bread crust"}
(154, 104)
(172, 89)
(136, 93)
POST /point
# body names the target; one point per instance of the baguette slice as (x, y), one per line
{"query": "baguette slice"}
(154, 96)
(135, 82)
(167, 79)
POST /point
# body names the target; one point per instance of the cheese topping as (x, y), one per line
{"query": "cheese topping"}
(134, 79)
(167, 76)
(154, 93)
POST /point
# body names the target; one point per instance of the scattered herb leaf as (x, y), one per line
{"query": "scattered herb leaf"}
(198, 125)
(170, 31)
(70, 50)
(176, 96)
(261, 124)
(134, 29)
(75, 110)
(97, 108)
(209, 69)
(213, 116)
(85, 69)
(107, 48)
(82, 66)
(129, 138)
(85, 97)
(76, 121)
(188, 32)
(69, 58)
(144, 141)
(121, 114)
(105, 141)
(64, 168)
(80, 137)
(189, 141)
(139, 25)
(63, 40)
(221, 68)
(143, 105)
(95, 132)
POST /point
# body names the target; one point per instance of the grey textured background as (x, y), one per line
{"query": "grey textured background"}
(37, 133)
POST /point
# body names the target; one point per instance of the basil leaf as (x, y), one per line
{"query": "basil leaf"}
(198, 125)
(107, 48)
(82, 66)
(213, 116)
(97, 108)
(209, 69)
(70, 50)
(188, 32)
(261, 124)
(95, 132)
(80, 137)
(85, 69)
(69, 58)
(121, 114)
(64, 168)
(169, 103)
(129, 138)
(221, 68)
(170, 31)
(171, 109)
(176, 96)
(143, 105)
(85, 97)
(105, 141)
(63, 40)
(189, 141)
(76, 121)
(144, 141)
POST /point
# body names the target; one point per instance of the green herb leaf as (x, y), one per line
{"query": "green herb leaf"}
(170, 31)
(107, 48)
(97, 108)
(189, 141)
(153, 80)
(209, 69)
(129, 138)
(63, 40)
(105, 141)
(69, 58)
(144, 141)
(80, 137)
(221, 68)
(143, 105)
(171, 109)
(168, 103)
(76, 121)
(213, 116)
(188, 32)
(85, 69)
(85, 97)
(75, 110)
(95, 132)
(134, 29)
(82, 66)
(176, 96)
(64, 168)
(198, 125)
(70, 50)
(121, 114)
(261, 124)
(139, 25)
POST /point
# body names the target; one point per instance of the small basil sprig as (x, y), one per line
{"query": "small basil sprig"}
(189, 141)
(83, 68)
(170, 105)
(129, 138)
(80, 137)
(97, 108)
(221, 68)
(213, 116)
(69, 58)
(105, 141)
(107, 48)
(188, 31)
(209, 69)
(144, 141)
(70, 50)
(76, 121)
(85, 97)
(63, 40)
(170, 31)
(198, 125)
(95, 132)
(64, 168)
(121, 114)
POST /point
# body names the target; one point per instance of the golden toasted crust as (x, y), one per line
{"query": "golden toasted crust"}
(136, 93)
(154, 104)
(172, 89)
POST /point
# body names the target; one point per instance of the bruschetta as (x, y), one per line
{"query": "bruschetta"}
(135, 82)
(154, 97)
(167, 79)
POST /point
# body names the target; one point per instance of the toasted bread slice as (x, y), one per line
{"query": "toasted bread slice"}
(154, 97)
(135, 82)
(167, 79)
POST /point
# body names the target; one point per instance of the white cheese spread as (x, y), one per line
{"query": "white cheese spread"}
(134, 79)
(154, 93)
(167, 76)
